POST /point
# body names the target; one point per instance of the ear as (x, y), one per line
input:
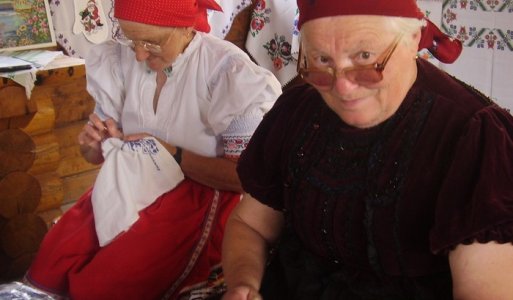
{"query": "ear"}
(189, 31)
(415, 40)
(417, 34)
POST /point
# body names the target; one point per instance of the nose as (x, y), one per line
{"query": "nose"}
(342, 85)
(141, 54)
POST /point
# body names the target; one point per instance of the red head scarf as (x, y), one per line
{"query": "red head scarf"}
(168, 13)
(443, 47)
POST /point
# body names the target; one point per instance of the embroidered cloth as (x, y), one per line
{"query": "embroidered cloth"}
(133, 175)
(273, 37)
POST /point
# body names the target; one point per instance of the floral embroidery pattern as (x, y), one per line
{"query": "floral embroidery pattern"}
(259, 17)
(34, 26)
(280, 51)
(243, 4)
(484, 5)
(145, 146)
(473, 36)
(234, 145)
(295, 32)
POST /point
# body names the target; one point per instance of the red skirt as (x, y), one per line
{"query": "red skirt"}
(175, 245)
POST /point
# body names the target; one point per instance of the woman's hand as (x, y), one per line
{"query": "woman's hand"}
(242, 293)
(93, 133)
(251, 227)
(137, 136)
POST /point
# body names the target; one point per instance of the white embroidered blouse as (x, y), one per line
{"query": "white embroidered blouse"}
(214, 95)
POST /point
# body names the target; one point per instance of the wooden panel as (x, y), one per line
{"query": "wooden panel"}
(13, 102)
(52, 192)
(16, 151)
(44, 119)
(72, 162)
(72, 102)
(68, 136)
(76, 185)
(21, 193)
(47, 154)
(59, 76)
(4, 124)
(50, 216)
(20, 238)
(22, 234)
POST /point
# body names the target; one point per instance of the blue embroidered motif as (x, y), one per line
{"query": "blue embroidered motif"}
(144, 146)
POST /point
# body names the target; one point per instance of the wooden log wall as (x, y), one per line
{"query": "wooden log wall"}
(41, 168)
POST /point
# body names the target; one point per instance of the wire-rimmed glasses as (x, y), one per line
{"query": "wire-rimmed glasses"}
(152, 48)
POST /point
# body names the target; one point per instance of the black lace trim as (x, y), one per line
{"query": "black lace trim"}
(500, 234)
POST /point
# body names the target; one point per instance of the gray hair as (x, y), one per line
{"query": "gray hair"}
(405, 25)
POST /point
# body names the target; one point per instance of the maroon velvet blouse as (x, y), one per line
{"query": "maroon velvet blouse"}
(395, 197)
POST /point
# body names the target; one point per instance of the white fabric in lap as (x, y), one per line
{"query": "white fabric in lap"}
(132, 177)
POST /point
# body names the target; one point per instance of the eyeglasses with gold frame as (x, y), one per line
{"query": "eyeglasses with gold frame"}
(150, 47)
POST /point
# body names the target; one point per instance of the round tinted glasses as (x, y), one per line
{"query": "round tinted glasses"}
(364, 75)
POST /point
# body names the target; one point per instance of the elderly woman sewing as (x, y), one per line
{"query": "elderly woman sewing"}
(382, 178)
(174, 109)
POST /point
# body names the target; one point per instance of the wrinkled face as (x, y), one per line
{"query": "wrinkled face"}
(157, 46)
(350, 42)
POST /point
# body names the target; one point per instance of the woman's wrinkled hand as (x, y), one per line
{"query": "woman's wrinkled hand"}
(242, 293)
(136, 136)
(93, 133)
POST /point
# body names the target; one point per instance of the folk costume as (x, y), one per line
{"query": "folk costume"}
(372, 208)
(371, 213)
(211, 103)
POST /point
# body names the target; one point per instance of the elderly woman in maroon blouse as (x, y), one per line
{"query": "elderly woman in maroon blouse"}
(381, 178)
